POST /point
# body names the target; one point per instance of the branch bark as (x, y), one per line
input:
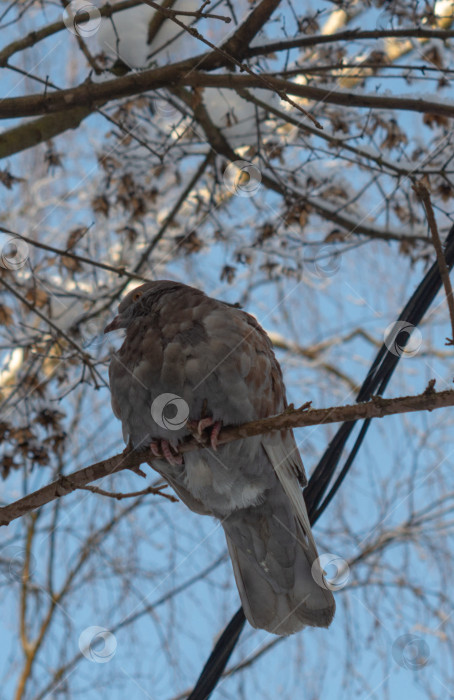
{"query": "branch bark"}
(43, 129)
(93, 95)
(304, 416)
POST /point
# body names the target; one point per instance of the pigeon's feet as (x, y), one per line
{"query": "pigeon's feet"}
(199, 426)
(164, 449)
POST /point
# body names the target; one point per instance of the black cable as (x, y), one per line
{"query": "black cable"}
(375, 383)
(218, 658)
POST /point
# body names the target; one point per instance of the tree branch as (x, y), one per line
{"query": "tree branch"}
(31, 133)
(92, 95)
(220, 145)
(120, 271)
(238, 44)
(131, 494)
(423, 194)
(36, 36)
(300, 42)
(230, 58)
(304, 416)
(85, 357)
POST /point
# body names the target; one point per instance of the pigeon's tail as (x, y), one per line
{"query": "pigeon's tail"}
(276, 567)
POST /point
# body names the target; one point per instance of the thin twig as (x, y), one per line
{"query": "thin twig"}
(176, 207)
(198, 14)
(131, 494)
(86, 359)
(423, 194)
(120, 271)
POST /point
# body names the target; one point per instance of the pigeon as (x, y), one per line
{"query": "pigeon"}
(190, 363)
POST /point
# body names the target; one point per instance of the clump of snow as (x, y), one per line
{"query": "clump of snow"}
(124, 36)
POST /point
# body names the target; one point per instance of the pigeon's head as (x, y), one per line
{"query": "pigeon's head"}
(139, 302)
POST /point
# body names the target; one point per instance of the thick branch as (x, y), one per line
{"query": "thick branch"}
(238, 43)
(31, 133)
(291, 418)
(183, 73)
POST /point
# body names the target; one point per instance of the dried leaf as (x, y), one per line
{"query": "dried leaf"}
(228, 273)
(446, 191)
(37, 296)
(394, 136)
(8, 180)
(39, 455)
(128, 231)
(52, 158)
(432, 120)
(7, 463)
(49, 418)
(6, 315)
(75, 235)
(70, 263)
(100, 205)
(335, 235)
(266, 232)
(22, 435)
(190, 244)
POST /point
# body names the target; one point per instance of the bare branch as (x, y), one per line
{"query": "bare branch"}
(157, 490)
(348, 35)
(423, 193)
(291, 418)
(183, 73)
(120, 271)
(33, 308)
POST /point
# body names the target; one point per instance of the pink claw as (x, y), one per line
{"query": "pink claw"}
(214, 435)
(155, 448)
(175, 458)
(162, 448)
(204, 423)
